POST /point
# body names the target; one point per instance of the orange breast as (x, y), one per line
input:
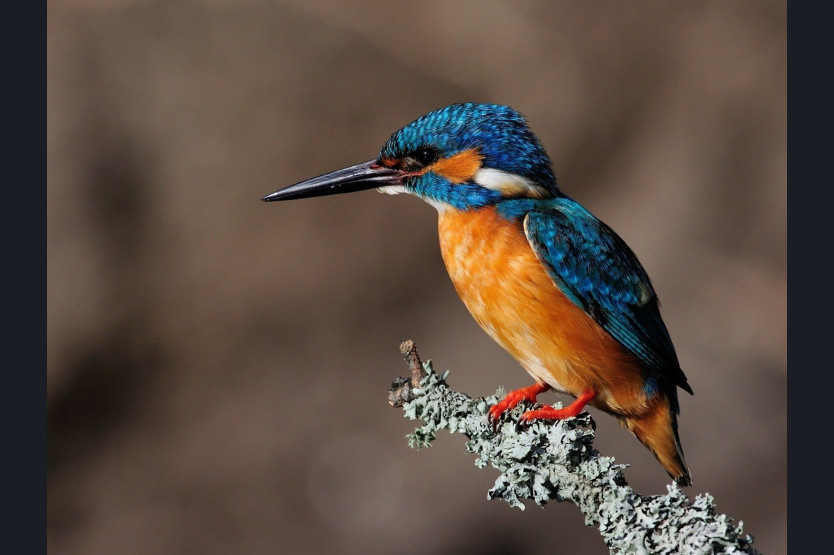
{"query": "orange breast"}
(504, 286)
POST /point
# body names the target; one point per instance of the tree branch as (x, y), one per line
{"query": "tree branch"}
(556, 460)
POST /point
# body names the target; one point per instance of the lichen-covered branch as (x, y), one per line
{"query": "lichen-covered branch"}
(545, 461)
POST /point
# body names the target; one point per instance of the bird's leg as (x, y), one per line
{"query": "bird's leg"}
(516, 396)
(569, 411)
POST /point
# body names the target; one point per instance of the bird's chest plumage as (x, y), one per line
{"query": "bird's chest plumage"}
(507, 290)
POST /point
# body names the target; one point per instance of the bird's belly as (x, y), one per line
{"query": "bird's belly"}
(505, 287)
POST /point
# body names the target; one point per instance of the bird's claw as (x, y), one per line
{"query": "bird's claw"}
(507, 403)
(513, 398)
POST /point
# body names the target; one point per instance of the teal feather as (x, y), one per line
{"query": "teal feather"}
(599, 273)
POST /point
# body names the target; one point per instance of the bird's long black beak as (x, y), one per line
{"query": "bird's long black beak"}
(368, 175)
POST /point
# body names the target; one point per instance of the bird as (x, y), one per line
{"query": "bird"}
(551, 283)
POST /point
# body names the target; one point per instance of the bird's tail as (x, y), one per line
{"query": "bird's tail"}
(657, 429)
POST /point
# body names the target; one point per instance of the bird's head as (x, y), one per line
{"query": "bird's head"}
(464, 156)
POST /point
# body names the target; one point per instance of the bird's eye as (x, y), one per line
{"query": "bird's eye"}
(425, 156)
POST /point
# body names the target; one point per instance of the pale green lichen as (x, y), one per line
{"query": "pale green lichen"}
(544, 461)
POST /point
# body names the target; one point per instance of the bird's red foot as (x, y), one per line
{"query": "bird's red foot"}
(569, 411)
(514, 397)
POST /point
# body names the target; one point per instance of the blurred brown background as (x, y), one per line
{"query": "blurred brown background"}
(218, 366)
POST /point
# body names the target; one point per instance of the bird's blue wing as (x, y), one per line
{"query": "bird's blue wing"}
(598, 272)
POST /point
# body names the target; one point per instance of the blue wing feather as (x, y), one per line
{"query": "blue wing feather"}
(599, 273)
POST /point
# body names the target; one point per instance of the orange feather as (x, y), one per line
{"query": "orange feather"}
(458, 168)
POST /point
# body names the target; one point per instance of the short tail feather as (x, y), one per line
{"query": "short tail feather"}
(658, 430)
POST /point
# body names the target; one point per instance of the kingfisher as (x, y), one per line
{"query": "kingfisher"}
(552, 284)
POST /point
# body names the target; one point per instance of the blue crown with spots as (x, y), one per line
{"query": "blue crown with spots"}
(499, 133)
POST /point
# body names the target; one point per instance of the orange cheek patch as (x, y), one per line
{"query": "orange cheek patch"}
(460, 167)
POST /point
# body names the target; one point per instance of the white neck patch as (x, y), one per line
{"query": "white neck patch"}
(509, 184)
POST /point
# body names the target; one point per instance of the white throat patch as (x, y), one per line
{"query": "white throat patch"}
(397, 189)
(392, 189)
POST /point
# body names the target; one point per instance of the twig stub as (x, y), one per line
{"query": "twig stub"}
(401, 388)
